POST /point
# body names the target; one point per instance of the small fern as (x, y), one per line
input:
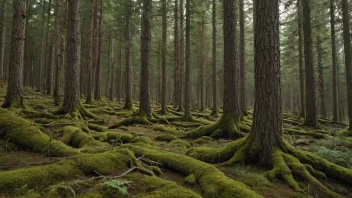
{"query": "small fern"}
(119, 184)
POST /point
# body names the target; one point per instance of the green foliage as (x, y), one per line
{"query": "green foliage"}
(336, 156)
(119, 184)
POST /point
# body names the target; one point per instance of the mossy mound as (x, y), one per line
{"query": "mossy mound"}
(166, 137)
(213, 182)
(113, 137)
(27, 136)
(86, 164)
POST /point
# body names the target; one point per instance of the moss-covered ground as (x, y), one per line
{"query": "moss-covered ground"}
(46, 155)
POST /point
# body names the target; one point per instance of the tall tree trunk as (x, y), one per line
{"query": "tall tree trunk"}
(334, 61)
(266, 130)
(14, 96)
(42, 51)
(321, 80)
(48, 68)
(72, 72)
(243, 90)
(107, 87)
(144, 101)
(164, 109)
(214, 76)
(310, 118)
(112, 73)
(300, 58)
(26, 43)
(230, 100)
(348, 61)
(119, 72)
(90, 53)
(57, 54)
(97, 94)
(128, 70)
(202, 65)
(176, 55)
(187, 88)
(182, 58)
(3, 38)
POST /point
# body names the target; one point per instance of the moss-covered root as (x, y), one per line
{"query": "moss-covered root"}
(76, 112)
(27, 136)
(285, 166)
(339, 173)
(112, 137)
(213, 182)
(75, 137)
(131, 121)
(286, 162)
(225, 128)
(80, 165)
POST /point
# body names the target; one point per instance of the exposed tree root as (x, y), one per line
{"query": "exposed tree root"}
(213, 182)
(313, 134)
(27, 136)
(131, 121)
(37, 114)
(225, 128)
(286, 163)
(76, 138)
(76, 112)
(103, 163)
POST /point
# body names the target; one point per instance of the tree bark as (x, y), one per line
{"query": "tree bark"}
(97, 94)
(90, 53)
(214, 76)
(202, 63)
(230, 100)
(144, 101)
(111, 83)
(321, 80)
(310, 118)
(182, 58)
(243, 90)
(176, 55)
(57, 54)
(334, 61)
(164, 109)
(42, 51)
(119, 73)
(187, 88)
(48, 68)
(14, 96)
(72, 72)
(348, 60)
(300, 58)
(267, 118)
(128, 70)
(3, 38)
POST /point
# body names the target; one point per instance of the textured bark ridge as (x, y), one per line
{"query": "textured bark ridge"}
(71, 105)
(14, 96)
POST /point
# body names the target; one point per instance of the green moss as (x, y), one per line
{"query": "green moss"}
(104, 163)
(217, 155)
(96, 127)
(313, 134)
(77, 138)
(113, 136)
(203, 140)
(213, 182)
(26, 136)
(331, 170)
(226, 128)
(142, 139)
(156, 170)
(131, 121)
(190, 179)
(166, 138)
(180, 143)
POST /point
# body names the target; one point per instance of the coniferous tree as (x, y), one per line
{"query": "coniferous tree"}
(14, 96)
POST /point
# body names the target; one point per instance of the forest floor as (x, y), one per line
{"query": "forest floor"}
(97, 163)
